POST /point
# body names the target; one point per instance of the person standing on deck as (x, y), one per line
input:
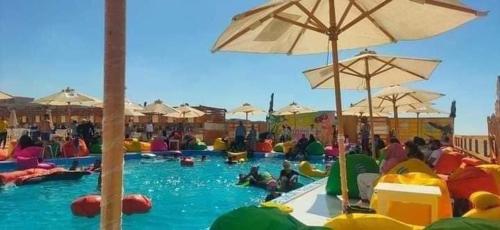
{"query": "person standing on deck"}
(149, 130)
(3, 132)
(45, 128)
(239, 135)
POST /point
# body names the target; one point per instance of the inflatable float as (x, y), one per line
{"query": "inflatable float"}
(220, 145)
(33, 176)
(236, 156)
(90, 205)
(315, 149)
(356, 164)
(309, 170)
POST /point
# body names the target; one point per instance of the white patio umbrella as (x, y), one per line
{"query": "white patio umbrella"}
(159, 108)
(5, 96)
(396, 96)
(246, 108)
(419, 109)
(360, 110)
(369, 70)
(130, 108)
(67, 97)
(185, 111)
(310, 26)
(293, 109)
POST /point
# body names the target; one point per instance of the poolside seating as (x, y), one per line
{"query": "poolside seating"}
(308, 169)
(420, 214)
(331, 151)
(133, 145)
(461, 223)
(359, 221)
(158, 145)
(4, 154)
(465, 182)
(220, 145)
(199, 145)
(412, 165)
(265, 146)
(315, 149)
(356, 164)
(485, 206)
(448, 162)
(494, 170)
(70, 150)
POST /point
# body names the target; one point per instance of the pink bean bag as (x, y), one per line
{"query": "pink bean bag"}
(158, 145)
(331, 151)
(28, 152)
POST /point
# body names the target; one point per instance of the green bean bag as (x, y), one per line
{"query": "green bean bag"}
(199, 146)
(279, 148)
(315, 149)
(356, 164)
(95, 148)
(254, 218)
(463, 223)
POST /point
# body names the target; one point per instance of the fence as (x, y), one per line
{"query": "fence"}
(480, 147)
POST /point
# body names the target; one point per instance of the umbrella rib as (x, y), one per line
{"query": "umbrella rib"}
(303, 29)
(248, 28)
(349, 68)
(389, 35)
(342, 70)
(412, 96)
(319, 30)
(402, 69)
(310, 14)
(374, 73)
(452, 7)
(344, 15)
(254, 11)
(363, 15)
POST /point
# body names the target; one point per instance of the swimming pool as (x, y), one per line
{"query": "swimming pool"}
(183, 197)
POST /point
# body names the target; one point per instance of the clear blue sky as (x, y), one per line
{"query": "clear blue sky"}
(48, 45)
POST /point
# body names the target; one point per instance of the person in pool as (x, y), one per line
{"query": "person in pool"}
(74, 165)
(254, 178)
(288, 177)
(96, 167)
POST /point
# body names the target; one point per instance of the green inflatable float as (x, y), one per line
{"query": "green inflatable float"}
(315, 149)
(198, 146)
(254, 218)
(279, 148)
(356, 164)
(462, 223)
(95, 148)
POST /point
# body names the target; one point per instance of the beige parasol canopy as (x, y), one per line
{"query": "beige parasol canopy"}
(396, 96)
(419, 109)
(67, 96)
(246, 108)
(186, 111)
(130, 109)
(311, 26)
(5, 96)
(360, 110)
(369, 70)
(293, 109)
(158, 108)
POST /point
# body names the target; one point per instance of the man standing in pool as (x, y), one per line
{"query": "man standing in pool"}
(288, 177)
(239, 136)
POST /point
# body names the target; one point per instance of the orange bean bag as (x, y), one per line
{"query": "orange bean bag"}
(69, 149)
(448, 162)
(469, 162)
(88, 206)
(410, 213)
(469, 180)
(266, 146)
(4, 154)
(494, 170)
(145, 147)
(136, 203)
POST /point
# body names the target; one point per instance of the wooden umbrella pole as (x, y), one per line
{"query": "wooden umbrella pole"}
(333, 35)
(370, 109)
(246, 116)
(113, 114)
(396, 121)
(418, 125)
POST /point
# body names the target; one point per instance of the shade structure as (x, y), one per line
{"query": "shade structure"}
(397, 96)
(158, 107)
(293, 109)
(185, 111)
(5, 96)
(67, 97)
(13, 122)
(361, 110)
(315, 26)
(132, 113)
(131, 105)
(420, 109)
(130, 108)
(369, 70)
(247, 109)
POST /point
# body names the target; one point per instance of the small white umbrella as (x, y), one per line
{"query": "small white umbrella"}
(185, 111)
(396, 96)
(158, 107)
(246, 108)
(293, 109)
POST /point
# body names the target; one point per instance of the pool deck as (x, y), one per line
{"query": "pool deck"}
(311, 205)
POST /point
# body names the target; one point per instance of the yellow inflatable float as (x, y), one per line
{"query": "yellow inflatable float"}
(236, 156)
(220, 145)
(419, 214)
(486, 206)
(359, 221)
(308, 169)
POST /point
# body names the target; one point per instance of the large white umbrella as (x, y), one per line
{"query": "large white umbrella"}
(316, 26)
(418, 109)
(67, 97)
(396, 96)
(185, 111)
(360, 110)
(293, 109)
(130, 108)
(246, 108)
(5, 96)
(158, 107)
(369, 70)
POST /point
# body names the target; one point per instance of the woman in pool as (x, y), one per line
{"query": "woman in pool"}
(262, 180)
(288, 177)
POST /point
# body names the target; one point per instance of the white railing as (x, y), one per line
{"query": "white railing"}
(480, 147)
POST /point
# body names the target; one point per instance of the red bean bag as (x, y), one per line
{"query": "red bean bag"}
(136, 203)
(448, 162)
(69, 149)
(470, 162)
(158, 145)
(464, 182)
(4, 154)
(88, 206)
(332, 151)
(266, 146)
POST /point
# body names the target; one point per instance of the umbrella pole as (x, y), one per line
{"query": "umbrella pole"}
(396, 121)
(246, 116)
(113, 122)
(370, 109)
(338, 102)
(418, 125)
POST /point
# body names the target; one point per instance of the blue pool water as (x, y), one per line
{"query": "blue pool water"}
(183, 198)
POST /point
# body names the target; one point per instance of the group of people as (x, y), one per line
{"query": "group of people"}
(395, 153)
(241, 134)
(287, 180)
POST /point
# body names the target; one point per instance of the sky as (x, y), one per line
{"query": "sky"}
(48, 45)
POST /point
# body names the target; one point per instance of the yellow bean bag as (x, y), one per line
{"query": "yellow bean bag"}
(288, 146)
(282, 207)
(308, 169)
(417, 214)
(486, 206)
(220, 145)
(358, 221)
(412, 165)
(493, 170)
(132, 146)
(145, 147)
